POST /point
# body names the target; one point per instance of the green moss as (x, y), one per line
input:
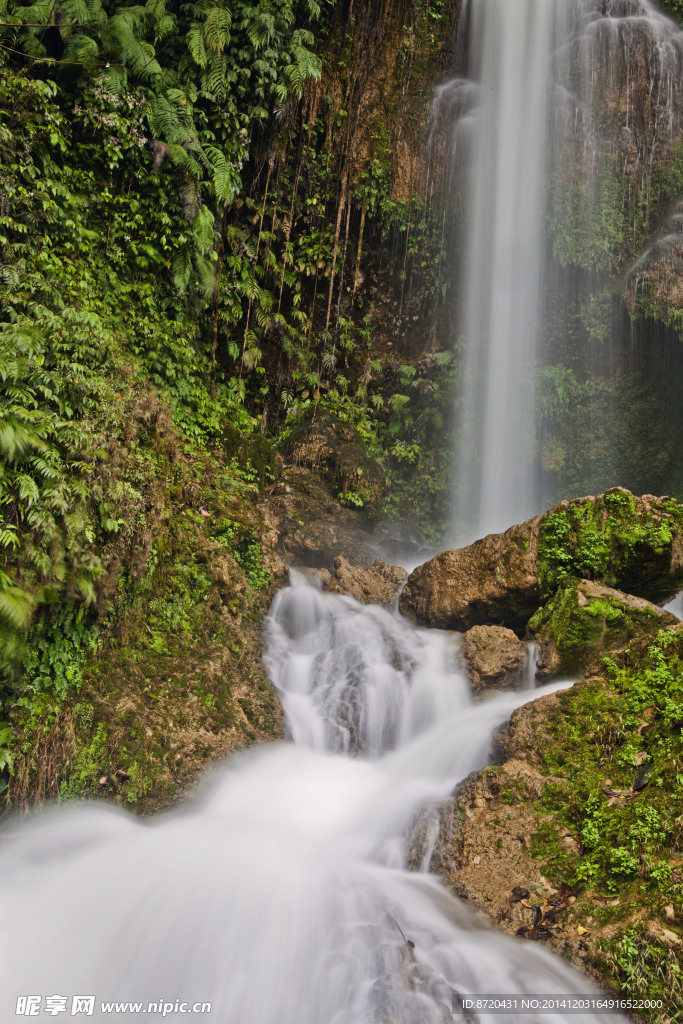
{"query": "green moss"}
(645, 969)
(603, 730)
(610, 541)
(597, 833)
(89, 764)
(581, 626)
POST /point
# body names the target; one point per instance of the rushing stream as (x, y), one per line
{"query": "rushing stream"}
(279, 893)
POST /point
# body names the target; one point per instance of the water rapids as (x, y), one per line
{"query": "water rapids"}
(279, 893)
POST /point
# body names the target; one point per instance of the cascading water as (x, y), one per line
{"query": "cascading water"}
(279, 894)
(513, 44)
(566, 102)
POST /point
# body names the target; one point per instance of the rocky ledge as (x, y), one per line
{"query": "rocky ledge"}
(379, 584)
(617, 539)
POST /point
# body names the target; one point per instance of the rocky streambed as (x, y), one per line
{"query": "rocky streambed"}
(574, 836)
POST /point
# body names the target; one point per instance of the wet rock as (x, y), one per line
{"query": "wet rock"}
(485, 836)
(312, 527)
(379, 584)
(493, 581)
(584, 620)
(633, 543)
(495, 657)
(334, 450)
(511, 838)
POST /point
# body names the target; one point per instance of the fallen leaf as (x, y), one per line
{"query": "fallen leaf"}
(643, 776)
(575, 842)
(607, 901)
(518, 894)
(566, 891)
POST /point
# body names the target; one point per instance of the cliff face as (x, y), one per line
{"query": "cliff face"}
(351, 172)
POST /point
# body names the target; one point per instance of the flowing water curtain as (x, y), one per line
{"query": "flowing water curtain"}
(568, 112)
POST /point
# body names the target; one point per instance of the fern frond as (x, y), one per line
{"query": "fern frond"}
(16, 606)
(217, 29)
(195, 44)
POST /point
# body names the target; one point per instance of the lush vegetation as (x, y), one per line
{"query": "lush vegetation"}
(610, 816)
(620, 540)
(182, 254)
(208, 225)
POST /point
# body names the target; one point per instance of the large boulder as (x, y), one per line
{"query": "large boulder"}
(632, 543)
(379, 584)
(495, 657)
(494, 580)
(583, 620)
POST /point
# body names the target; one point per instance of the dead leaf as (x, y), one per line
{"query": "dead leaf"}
(574, 842)
(643, 776)
(606, 901)
(518, 894)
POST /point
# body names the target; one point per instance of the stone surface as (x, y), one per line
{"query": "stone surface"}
(495, 657)
(584, 620)
(633, 543)
(494, 580)
(511, 839)
(379, 584)
(313, 528)
(334, 449)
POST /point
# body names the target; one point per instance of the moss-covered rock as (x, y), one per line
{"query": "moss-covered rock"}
(584, 620)
(576, 839)
(313, 527)
(169, 676)
(334, 449)
(633, 543)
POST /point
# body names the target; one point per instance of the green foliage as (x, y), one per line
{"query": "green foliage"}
(602, 728)
(351, 499)
(59, 643)
(645, 968)
(6, 756)
(88, 765)
(167, 223)
(674, 5)
(249, 557)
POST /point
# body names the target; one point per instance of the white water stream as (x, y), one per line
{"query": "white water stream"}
(279, 894)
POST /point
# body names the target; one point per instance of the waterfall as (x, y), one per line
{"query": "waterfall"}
(279, 893)
(564, 100)
(513, 44)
